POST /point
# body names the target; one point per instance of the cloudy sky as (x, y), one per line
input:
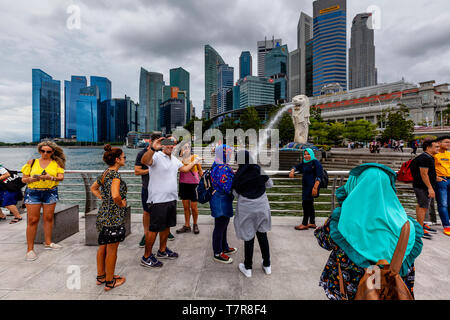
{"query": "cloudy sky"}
(117, 37)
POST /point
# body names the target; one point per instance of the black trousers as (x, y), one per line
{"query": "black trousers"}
(308, 212)
(263, 245)
(219, 240)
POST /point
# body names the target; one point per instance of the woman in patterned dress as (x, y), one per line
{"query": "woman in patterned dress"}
(112, 190)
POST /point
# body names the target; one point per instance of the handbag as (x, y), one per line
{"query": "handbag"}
(14, 182)
(111, 234)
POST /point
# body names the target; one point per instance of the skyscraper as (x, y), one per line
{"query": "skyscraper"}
(330, 44)
(309, 68)
(361, 69)
(245, 64)
(263, 48)
(180, 78)
(172, 114)
(212, 61)
(104, 87)
(71, 95)
(256, 91)
(294, 73)
(225, 79)
(46, 110)
(276, 68)
(304, 34)
(88, 115)
(150, 97)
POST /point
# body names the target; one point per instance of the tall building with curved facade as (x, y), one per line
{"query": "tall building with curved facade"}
(212, 61)
(329, 44)
(150, 97)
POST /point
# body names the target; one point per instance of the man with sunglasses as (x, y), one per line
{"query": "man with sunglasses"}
(162, 196)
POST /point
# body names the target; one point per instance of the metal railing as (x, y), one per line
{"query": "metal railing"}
(285, 197)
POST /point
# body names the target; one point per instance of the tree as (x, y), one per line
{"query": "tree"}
(316, 113)
(335, 132)
(397, 127)
(360, 130)
(318, 131)
(228, 123)
(250, 120)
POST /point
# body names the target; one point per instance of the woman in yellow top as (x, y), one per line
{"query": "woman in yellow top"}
(42, 177)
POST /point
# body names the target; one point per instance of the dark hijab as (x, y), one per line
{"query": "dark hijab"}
(248, 180)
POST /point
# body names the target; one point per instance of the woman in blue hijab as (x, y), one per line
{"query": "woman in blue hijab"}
(312, 172)
(221, 203)
(365, 229)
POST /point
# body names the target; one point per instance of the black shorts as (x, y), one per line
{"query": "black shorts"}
(163, 215)
(144, 198)
(422, 198)
(188, 191)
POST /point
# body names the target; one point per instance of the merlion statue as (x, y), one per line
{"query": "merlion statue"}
(300, 117)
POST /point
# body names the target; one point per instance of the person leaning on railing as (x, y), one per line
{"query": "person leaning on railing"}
(42, 177)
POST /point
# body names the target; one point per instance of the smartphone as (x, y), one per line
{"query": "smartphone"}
(167, 142)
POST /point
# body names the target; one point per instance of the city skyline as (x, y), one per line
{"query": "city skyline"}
(41, 40)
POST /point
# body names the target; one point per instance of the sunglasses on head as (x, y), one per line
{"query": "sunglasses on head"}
(46, 151)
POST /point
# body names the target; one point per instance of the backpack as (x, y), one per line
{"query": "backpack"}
(324, 180)
(14, 182)
(404, 174)
(391, 284)
(204, 189)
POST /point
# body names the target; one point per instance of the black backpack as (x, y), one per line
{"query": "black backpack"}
(324, 180)
(14, 182)
(204, 188)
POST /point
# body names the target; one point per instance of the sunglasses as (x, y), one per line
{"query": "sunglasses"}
(124, 157)
(46, 151)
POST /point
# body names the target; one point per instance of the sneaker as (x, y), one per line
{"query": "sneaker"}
(246, 272)
(184, 229)
(31, 256)
(168, 254)
(151, 262)
(196, 230)
(142, 243)
(427, 227)
(52, 246)
(447, 231)
(171, 237)
(426, 235)
(267, 270)
(231, 251)
(223, 258)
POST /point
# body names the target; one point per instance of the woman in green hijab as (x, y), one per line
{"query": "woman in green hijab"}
(312, 173)
(365, 229)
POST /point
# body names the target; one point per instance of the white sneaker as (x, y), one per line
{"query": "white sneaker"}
(31, 256)
(52, 246)
(267, 270)
(247, 273)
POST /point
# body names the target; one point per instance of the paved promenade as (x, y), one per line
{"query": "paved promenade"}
(297, 262)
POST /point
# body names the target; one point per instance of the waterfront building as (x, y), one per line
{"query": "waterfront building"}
(225, 79)
(104, 87)
(330, 44)
(245, 64)
(361, 68)
(276, 68)
(71, 96)
(255, 91)
(179, 78)
(212, 61)
(263, 47)
(90, 120)
(46, 106)
(150, 97)
(172, 115)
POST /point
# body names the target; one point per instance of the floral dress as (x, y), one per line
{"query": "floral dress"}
(110, 214)
(351, 273)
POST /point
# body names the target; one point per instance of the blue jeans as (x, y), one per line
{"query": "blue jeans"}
(443, 200)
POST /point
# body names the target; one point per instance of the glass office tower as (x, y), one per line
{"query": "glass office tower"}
(71, 96)
(46, 106)
(224, 82)
(180, 78)
(330, 44)
(150, 97)
(212, 61)
(89, 121)
(256, 91)
(245, 64)
(104, 87)
(276, 68)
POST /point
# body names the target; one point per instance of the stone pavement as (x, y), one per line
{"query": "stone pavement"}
(297, 262)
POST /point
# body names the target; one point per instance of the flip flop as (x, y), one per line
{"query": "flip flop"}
(15, 220)
(4, 218)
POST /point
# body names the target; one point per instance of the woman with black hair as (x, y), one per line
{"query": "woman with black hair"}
(252, 210)
(112, 190)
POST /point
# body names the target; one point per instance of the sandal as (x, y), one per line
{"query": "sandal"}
(3, 218)
(102, 279)
(115, 282)
(15, 220)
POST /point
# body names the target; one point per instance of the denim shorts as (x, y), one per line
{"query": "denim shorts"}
(41, 196)
(9, 198)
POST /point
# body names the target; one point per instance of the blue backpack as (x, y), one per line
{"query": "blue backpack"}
(205, 189)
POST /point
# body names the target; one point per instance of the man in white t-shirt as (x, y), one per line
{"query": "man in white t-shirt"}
(162, 195)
